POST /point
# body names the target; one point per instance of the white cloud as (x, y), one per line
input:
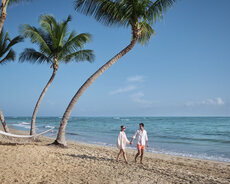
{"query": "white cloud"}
(214, 101)
(137, 78)
(123, 90)
(138, 98)
(219, 101)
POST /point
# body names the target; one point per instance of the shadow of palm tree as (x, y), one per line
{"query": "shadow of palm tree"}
(91, 157)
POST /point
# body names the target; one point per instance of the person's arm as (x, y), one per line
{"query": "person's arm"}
(118, 141)
(146, 138)
(121, 141)
(127, 141)
(133, 138)
(131, 142)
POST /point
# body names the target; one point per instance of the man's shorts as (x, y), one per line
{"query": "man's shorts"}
(140, 147)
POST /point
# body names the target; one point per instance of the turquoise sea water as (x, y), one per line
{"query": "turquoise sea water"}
(198, 137)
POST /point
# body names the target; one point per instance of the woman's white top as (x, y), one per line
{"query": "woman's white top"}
(122, 140)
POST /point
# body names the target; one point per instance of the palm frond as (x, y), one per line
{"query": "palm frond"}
(9, 57)
(6, 44)
(63, 28)
(32, 56)
(74, 43)
(81, 55)
(17, 1)
(57, 31)
(125, 12)
(156, 9)
(54, 41)
(37, 36)
(106, 11)
(16, 40)
(48, 24)
(62, 31)
(146, 32)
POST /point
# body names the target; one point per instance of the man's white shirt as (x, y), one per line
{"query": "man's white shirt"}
(141, 137)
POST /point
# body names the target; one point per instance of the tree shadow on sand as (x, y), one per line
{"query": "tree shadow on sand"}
(91, 157)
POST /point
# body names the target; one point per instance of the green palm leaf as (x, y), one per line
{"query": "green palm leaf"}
(37, 36)
(33, 56)
(157, 9)
(54, 41)
(14, 41)
(108, 12)
(6, 44)
(9, 57)
(74, 43)
(17, 1)
(82, 55)
(126, 13)
(146, 32)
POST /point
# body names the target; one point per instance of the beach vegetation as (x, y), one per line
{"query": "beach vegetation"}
(3, 9)
(6, 52)
(137, 15)
(55, 44)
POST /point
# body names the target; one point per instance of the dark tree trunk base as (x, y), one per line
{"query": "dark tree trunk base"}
(56, 143)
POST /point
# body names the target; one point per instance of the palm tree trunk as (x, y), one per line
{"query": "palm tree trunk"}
(60, 140)
(6, 129)
(32, 129)
(3, 14)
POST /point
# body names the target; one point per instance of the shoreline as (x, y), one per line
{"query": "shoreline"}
(13, 130)
(89, 163)
(164, 134)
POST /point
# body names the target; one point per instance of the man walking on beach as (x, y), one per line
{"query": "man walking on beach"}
(142, 137)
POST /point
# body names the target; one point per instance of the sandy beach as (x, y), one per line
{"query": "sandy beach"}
(85, 163)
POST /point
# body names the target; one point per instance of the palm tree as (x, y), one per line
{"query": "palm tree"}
(6, 129)
(55, 45)
(139, 15)
(3, 9)
(6, 52)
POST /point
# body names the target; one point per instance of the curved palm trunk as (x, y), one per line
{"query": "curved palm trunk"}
(61, 133)
(6, 129)
(32, 129)
(3, 14)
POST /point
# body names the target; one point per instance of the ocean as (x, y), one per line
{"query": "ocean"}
(197, 137)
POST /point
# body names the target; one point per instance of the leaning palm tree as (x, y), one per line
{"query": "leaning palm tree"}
(55, 45)
(139, 15)
(2, 119)
(6, 52)
(3, 9)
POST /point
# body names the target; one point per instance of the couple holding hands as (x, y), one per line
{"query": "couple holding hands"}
(140, 135)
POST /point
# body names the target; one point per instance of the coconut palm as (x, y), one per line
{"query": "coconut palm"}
(6, 52)
(55, 45)
(3, 9)
(139, 15)
(2, 119)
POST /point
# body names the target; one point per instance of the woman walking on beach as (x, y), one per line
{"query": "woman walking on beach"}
(121, 143)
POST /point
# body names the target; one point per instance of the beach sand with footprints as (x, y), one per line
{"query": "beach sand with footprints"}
(85, 163)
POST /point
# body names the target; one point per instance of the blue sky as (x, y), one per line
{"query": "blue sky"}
(183, 71)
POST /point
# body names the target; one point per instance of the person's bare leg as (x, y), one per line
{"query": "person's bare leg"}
(138, 153)
(118, 155)
(142, 155)
(125, 157)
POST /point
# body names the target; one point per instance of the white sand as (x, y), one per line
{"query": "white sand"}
(85, 163)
